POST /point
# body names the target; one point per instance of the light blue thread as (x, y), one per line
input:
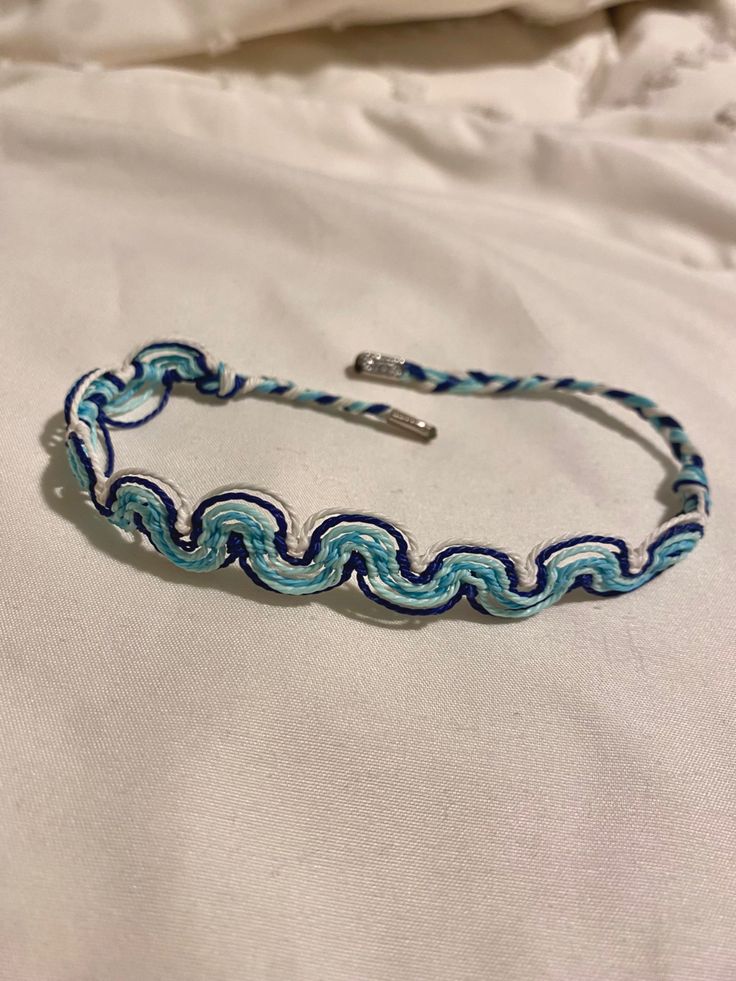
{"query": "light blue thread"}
(245, 527)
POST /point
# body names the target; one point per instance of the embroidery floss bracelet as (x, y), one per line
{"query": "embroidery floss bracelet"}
(255, 530)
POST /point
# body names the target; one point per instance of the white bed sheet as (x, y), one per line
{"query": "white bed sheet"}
(201, 780)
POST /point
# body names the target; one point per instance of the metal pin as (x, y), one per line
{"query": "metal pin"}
(410, 424)
(385, 365)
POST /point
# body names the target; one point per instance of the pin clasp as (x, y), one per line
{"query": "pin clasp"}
(387, 366)
(410, 424)
(383, 365)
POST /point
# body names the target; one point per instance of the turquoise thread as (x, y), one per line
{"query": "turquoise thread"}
(254, 530)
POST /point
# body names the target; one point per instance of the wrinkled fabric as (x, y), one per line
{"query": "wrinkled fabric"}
(201, 779)
(75, 31)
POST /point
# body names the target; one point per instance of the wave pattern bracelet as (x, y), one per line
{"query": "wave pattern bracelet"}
(258, 532)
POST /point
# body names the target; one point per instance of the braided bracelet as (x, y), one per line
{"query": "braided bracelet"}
(257, 531)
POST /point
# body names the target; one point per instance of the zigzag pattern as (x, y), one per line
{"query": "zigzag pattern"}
(256, 531)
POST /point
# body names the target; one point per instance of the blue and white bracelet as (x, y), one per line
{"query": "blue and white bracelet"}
(257, 531)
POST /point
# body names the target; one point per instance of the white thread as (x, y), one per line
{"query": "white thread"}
(298, 535)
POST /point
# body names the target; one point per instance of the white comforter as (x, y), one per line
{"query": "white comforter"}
(201, 780)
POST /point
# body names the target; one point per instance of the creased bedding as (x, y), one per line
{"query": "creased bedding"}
(204, 780)
(73, 30)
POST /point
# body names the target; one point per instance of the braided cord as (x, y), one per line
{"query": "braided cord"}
(692, 467)
(258, 532)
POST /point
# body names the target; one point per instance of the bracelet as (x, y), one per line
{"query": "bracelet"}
(256, 530)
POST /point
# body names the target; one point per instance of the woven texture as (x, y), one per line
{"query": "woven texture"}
(283, 555)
